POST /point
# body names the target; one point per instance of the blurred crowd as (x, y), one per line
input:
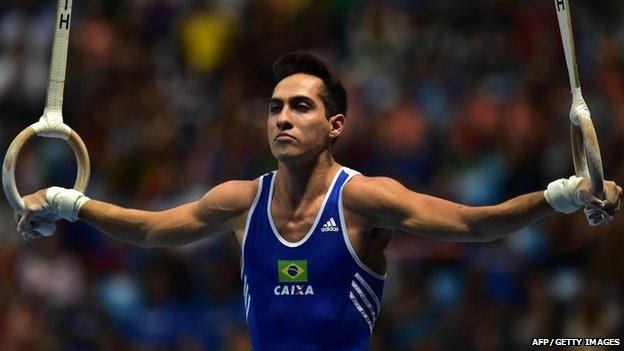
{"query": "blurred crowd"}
(466, 100)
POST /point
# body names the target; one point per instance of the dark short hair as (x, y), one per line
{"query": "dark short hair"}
(332, 92)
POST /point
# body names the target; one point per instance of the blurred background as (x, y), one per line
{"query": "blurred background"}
(466, 100)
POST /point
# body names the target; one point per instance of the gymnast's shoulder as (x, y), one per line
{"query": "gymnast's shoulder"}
(372, 195)
(231, 196)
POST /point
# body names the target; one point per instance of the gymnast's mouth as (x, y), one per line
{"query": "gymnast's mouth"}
(285, 136)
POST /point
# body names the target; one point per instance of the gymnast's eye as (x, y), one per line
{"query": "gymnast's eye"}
(302, 107)
(274, 108)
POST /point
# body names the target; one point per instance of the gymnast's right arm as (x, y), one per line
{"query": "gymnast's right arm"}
(221, 210)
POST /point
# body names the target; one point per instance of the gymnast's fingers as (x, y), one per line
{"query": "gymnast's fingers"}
(24, 222)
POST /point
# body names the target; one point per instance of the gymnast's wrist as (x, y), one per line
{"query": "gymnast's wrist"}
(563, 195)
(65, 203)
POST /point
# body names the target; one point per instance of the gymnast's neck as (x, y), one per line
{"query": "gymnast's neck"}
(300, 180)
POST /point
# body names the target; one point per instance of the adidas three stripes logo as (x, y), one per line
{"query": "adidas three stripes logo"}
(330, 226)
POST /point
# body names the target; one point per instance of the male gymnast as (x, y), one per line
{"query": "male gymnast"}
(313, 233)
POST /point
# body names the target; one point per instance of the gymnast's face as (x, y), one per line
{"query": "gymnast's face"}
(297, 125)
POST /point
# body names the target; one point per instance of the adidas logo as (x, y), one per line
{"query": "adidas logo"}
(330, 226)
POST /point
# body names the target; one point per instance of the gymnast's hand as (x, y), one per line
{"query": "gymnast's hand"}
(600, 211)
(45, 207)
(38, 219)
(568, 195)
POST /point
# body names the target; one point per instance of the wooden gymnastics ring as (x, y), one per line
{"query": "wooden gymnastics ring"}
(586, 154)
(585, 148)
(61, 131)
(51, 124)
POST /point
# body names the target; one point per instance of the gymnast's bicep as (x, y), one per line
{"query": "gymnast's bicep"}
(221, 210)
(391, 205)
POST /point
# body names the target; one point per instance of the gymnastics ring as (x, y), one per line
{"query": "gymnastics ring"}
(61, 131)
(586, 154)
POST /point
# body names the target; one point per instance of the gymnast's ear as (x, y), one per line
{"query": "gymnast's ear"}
(337, 125)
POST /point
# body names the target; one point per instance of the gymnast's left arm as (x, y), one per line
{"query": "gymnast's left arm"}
(391, 205)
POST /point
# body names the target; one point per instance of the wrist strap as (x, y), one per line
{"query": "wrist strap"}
(561, 195)
(66, 203)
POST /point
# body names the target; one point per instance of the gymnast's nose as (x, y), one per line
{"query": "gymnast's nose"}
(284, 121)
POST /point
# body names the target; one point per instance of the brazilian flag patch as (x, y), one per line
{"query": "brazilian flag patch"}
(292, 271)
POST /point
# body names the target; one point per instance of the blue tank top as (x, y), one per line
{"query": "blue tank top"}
(311, 295)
